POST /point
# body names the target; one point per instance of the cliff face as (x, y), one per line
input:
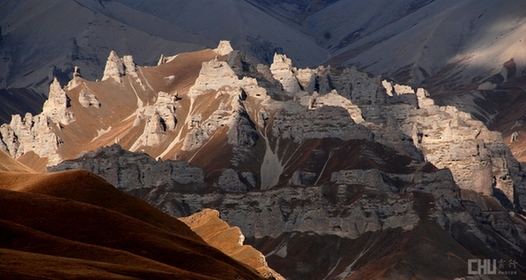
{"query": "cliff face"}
(281, 151)
(356, 206)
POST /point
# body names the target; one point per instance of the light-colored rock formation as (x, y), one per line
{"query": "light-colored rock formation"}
(159, 118)
(409, 122)
(37, 133)
(307, 79)
(76, 80)
(114, 68)
(224, 48)
(219, 78)
(31, 134)
(298, 123)
(165, 106)
(514, 136)
(87, 98)
(335, 100)
(283, 71)
(56, 106)
(130, 69)
(321, 152)
(214, 75)
(162, 60)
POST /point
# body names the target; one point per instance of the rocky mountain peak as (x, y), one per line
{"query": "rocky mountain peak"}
(224, 48)
(114, 68)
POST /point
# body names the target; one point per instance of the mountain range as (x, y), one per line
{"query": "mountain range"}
(396, 154)
(467, 54)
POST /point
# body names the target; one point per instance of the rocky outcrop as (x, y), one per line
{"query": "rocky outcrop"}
(356, 202)
(353, 204)
(477, 157)
(37, 133)
(217, 77)
(329, 152)
(87, 99)
(283, 71)
(56, 106)
(134, 172)
(223, 48)
(116, 68)
(324, 210)
(403, 119)
(159, 119)
(230, 181)
(298, 123)
(76, 81)
(31, 134)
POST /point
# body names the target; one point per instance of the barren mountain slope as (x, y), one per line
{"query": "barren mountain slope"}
(74, 224)
(7, 163)
(461, 42)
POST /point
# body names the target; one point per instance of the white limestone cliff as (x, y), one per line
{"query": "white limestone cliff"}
(56, 106)
(31, 134)
(37, 133)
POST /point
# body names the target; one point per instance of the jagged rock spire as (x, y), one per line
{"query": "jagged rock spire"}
(114, 68)
(283, 71)
(56, 105)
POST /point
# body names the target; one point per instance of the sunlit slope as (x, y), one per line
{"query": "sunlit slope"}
(74, 224)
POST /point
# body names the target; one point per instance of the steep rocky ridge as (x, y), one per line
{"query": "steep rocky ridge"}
(229, 240)
(280, 150)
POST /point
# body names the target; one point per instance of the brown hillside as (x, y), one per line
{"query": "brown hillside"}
(75, 225)
(7, 163)
(229, 240)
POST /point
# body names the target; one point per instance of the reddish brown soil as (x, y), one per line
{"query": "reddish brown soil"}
(75, 225)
